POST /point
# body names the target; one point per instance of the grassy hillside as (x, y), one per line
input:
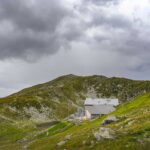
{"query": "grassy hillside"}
(132, 132)
(57, 99)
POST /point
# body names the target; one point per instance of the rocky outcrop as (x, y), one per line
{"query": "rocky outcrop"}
(109, 119)
(104, 133)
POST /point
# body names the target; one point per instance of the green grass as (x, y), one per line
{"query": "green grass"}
(127, 135)
(9, 133)
(59, 127)
(133, 105)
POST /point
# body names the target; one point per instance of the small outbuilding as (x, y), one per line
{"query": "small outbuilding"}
(99, 106)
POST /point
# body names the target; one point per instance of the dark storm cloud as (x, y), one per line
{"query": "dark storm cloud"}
(29, 28)
(22, 43)
(34, 28)
(35, 15)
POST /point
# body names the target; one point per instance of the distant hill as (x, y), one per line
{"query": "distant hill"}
(60, 97)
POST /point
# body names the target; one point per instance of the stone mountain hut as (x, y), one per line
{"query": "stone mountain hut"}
(99, 106)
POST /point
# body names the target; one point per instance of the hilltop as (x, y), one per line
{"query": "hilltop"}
(62, 96)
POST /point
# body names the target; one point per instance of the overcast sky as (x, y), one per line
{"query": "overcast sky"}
(43, 39)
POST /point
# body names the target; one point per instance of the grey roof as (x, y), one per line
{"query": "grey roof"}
(100, 109)
(101, 101)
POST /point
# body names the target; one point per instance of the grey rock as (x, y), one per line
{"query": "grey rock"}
(24, 140)
(72, 116)
(97, 136)
(106, 133)
(140, 141)
(84, 142)
(92, 142)
(61, 143)
(77, 122)
(109, 120)
(67, 137)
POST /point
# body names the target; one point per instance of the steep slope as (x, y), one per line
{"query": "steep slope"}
(59, 98)
(132, 132)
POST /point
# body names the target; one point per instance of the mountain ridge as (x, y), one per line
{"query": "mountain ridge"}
(50, 100)
(72, 75)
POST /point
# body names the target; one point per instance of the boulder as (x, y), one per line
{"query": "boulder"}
(97, 136)
(61, 143)
(105, 133)
(109, 120)
(67, 137)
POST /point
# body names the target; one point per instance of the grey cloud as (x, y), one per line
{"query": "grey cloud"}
(103, 2)
(31, 28)
(115, 21)
(37, 28)
(117, 33)
(37, 15)
(25, 44)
